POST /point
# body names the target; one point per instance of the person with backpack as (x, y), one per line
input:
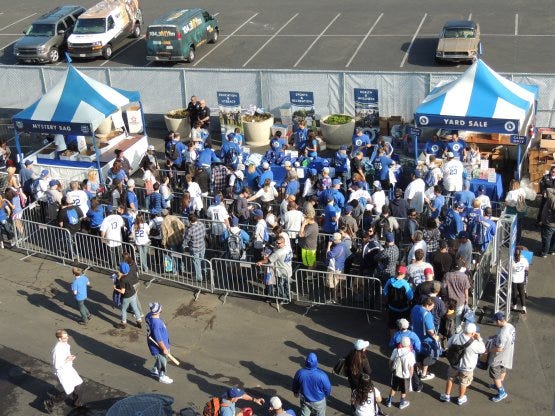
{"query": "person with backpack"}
(401, 365)
(236, 181)
(281, 260)
(236, 240)
(40, 185)
(398, 297)
(462, 353)
(174, 151)
(70, 216)
(226, 405)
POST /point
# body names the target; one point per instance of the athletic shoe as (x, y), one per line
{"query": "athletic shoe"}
(139, 324)
(462, 400)
(429, 376)
(154, 372)
(121, 325)
(82, 323)
(499, 397)
(1, 244)
(404, 404)
(524, 309)
(89, 317)
(165, 379)
(48, 406)
(388, 402)
(419, 388)
(445, 398)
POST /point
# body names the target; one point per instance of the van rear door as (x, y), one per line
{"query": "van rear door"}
(163, 42)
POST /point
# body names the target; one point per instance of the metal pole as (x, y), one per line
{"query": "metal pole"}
(518, 162)
(416, 137)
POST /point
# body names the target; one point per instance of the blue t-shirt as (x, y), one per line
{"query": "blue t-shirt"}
(338, 253)
(465, 196)
(292, 187)
(132, 199)
(156, 329)
(437, 204)
(414, 340)
(434, 148)
(252, 179)
(381, 167)
(267, 174)
(313, 145)
(422, 321)
(330, 225)
(338, 199)
(3, 212)
(79, 285)
(206, 157)
(96, 217)
(360, 141)
(300, 139)
(452, 225)
(456, 147)
(155, 203)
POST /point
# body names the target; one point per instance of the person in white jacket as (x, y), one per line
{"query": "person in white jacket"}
(414, 193)
(464, 370)
(401, 364)
(452, 174)
(62, 360)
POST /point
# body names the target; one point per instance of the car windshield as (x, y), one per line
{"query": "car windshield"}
(40, 29)
(87, 26)
(458, 33)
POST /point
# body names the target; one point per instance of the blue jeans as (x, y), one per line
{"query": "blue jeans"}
(125, 302)
(310, 408)
(548, 242)
(197, 264)
(143, 254)
(83, 310)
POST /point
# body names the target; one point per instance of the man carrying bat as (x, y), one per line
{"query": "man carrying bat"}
(158, 342)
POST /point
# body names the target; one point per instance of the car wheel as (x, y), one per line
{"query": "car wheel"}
(136, 31)
(107, 51)
(53, 55)
(191, 54)
(439, 61)
(215, 36)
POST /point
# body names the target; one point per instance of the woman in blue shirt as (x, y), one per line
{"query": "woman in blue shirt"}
(5, 228)
(95, 215)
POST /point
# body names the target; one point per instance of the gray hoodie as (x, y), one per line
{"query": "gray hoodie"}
(548, 212)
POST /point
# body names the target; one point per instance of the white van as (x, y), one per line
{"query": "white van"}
(102, 27)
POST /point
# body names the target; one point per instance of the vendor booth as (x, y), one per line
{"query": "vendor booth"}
(481, 101)
(86, 122)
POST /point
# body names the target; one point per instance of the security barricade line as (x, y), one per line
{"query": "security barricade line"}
(337, 289)
(95, 251)
(44, 239)
(483, 272)
(183, 269)
(240, 277)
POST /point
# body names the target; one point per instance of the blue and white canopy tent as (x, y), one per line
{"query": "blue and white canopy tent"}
(76, 105)
(479, 100)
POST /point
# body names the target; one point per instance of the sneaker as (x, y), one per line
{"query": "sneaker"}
(419, 388)
(429, 376)
(165, 379)
(1, 244)
(445, 398)
(82, 323)
(121, 325)
(544, 255)
(284, 302)
(499, 397)
(139, 324)
(48, 406)
(388, 401)
(89, 317)
(462, 400)
(404, 404)
(154, 371)
(523, 309)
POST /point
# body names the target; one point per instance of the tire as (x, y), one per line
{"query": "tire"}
(53, 55)
(107, 51)
(215, 36)
(191, 55)
(136, 31)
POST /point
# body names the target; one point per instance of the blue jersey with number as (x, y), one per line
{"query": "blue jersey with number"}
(381, 167)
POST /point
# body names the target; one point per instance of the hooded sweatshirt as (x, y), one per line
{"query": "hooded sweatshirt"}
(548, 212)
(311, 382)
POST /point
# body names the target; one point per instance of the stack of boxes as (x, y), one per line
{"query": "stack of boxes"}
(541, 159)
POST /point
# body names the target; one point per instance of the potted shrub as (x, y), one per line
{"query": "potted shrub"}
(337, 129)
(257, 128)
(178, 121)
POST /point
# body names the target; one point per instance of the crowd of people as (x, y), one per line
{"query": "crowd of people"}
(415, 231)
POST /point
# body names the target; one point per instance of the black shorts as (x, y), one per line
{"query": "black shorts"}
(400, 384)
(394, 316)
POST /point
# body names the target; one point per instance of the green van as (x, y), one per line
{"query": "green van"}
(176, 35)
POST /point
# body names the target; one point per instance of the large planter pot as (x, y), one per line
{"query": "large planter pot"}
(179, 125)
(257, 133)
(105, 127)
(336, 135)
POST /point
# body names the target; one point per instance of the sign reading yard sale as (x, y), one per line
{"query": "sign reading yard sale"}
(468, 123)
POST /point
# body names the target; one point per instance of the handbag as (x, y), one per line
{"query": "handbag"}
(168, 264)
(341, 367)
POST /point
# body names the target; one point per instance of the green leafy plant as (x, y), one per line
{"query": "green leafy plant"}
(179, 113)
(256, 117)
(336, 119)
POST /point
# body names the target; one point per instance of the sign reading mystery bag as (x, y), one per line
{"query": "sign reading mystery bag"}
(229, 105)
(302, 106)
(367, 114)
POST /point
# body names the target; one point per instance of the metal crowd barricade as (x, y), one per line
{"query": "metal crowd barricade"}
(351, 291)
(483, 272)
(184, 269)
(235, 276)
(95, 251)
(44, 239)
(35, 212)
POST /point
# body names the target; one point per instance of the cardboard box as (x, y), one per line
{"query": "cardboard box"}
(548, 144)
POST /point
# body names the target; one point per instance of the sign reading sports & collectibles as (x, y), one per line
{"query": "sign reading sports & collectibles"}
(491, 125)
(32, 126)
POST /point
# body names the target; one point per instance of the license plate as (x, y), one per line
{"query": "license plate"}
(169, 47)
(81, 55)
(156, 42)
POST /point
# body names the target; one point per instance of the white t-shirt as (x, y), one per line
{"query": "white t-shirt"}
(519, 270)
(112, 226)
(196, 195)
(378, 199)
(292, 222)
(368, 408)
(141, 234)
(484, 201)
(415, 192)
(415, 272)
(60, 142)
(453, 175)
(80, 199)
(218, 214)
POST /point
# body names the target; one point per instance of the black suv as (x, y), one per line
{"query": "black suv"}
(45, 39)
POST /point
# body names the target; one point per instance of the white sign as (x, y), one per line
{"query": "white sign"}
(492, 176)
(484, 164)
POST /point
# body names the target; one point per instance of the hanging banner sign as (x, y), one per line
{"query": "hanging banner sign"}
(302, 106)
(367, 114)
(229, 106)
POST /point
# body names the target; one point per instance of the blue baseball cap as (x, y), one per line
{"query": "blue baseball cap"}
(313, 171)
(235, 392)
(124, 267)
(258, 213)
(499, 316)
(217, 200)
(343, 147)
(348, 209)
(234, 221)
(336, 182)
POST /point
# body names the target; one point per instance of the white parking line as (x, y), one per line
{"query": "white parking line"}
(316, 40)
(469, 16)
(223, 40)
(363, 40)
(17, 21)
(123, 49)
(412, 41)
(269, 40)
(516, 24)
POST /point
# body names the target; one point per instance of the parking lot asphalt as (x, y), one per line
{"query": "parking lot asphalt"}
(398, 35)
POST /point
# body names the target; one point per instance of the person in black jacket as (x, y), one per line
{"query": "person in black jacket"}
(357, 363)
(548, 181)
(398, 206)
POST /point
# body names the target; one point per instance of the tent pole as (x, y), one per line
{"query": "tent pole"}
(518, 162)
(97, 153)
(416, 137)
(18, 147)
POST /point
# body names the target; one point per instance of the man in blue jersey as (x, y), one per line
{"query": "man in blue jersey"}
(381, 165)
(158, 342)
(457, 147)
(434, 146)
